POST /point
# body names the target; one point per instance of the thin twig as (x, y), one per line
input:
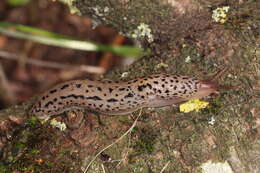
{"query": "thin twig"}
(128, 131)
(49, 64)
(165, 166)
(103, 168)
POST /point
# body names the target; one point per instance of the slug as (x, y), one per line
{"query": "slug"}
(113, 98)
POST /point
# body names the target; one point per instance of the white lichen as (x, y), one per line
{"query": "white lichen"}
(143, 31)
(72, 8)
(212, 121)
(220, 14)
(59, 125)
(160, 65)
(125, 74)
(99, 11)
(210, 167)
(187, 59)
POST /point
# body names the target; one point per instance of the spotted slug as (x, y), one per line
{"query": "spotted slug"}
(107, 97)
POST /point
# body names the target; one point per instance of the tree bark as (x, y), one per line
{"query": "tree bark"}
(183, 39)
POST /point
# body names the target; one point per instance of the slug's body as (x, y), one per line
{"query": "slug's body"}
(120, 97)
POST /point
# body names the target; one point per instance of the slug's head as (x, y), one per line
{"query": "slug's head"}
(205, 88)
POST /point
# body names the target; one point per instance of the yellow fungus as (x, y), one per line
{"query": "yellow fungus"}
(194, 104)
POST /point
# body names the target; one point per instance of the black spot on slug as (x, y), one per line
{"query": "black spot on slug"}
(73, 95)
(140, 88)
(90, 86)
(53, 91)
(49, 103)
(121, 89)
(112, 100)
(155, 82)
(110, 90)
(63, 97)
(64, 86)
(149, 86)
(129, 95)
(78, 85)
(94, 98)
(99, 89)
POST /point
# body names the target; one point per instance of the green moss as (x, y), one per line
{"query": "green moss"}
(146, 140)
(3, 168)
